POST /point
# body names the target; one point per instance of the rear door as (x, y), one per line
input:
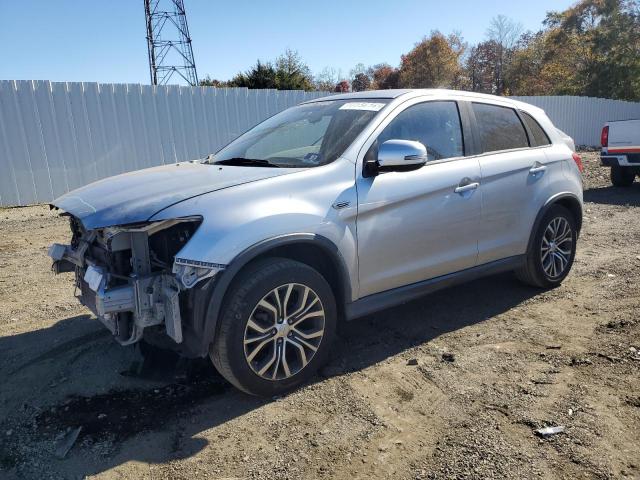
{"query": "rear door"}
(513, 179)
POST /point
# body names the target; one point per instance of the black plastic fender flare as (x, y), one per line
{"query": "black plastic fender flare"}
(209, 298)
(558, 198)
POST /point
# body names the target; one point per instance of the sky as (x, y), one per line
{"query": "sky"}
(104, 41)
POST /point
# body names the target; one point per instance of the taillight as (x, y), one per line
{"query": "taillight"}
(604, 138)
(578, 160)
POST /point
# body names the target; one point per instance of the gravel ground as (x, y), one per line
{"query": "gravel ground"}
(450, 386)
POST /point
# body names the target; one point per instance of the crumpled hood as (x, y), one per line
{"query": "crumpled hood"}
(136, 196)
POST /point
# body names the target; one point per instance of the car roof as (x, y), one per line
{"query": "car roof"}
(388, 94)
(415, 92)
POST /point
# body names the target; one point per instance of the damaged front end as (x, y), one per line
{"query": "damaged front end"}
(129, 276)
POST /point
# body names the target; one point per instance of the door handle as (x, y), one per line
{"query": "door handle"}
(467, 187)
(537, 168)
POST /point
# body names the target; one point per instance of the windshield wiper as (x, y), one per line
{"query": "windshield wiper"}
(241, 162)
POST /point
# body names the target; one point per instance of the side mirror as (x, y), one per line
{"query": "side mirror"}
(401, 156)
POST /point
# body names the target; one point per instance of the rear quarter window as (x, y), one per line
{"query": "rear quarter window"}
(499, 127)
(540, 137)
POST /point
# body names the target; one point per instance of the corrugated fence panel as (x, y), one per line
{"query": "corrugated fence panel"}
(57, 136)
(582, 118)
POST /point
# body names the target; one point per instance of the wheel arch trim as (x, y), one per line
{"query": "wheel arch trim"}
(554, 200)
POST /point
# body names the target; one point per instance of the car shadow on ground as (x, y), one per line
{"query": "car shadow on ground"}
(623, 196)
(156, 413)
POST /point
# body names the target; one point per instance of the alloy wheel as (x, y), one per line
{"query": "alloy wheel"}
(284, 331)
(557, 247)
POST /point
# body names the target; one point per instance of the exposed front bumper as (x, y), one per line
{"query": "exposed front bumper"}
(126, 302)
(131, 278)
(146, 301)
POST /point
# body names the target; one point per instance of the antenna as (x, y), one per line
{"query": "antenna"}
(168, 42)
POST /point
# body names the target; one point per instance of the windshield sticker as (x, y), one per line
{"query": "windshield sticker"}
(372, 107)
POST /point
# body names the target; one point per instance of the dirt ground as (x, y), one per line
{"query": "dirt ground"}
(450, 386)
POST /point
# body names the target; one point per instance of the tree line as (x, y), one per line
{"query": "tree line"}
(589, 49)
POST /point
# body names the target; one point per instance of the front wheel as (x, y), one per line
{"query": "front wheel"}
(553, 250)
(276, 329)
(622, 176)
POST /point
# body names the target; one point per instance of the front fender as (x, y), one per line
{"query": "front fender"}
(221, 242)
(305, 202)
(242, 222)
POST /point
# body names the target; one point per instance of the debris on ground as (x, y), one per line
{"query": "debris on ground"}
(549, 431)
(448, 357)
(611, 358)
(634, 401)
(67, 442)
(578, 361)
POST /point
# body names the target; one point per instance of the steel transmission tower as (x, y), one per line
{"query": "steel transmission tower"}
(169, 42)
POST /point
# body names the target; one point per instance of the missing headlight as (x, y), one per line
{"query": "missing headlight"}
(165, 244)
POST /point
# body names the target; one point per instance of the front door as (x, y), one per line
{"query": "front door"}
(421, 224)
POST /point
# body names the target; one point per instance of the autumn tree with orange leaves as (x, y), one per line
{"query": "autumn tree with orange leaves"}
(435, 62)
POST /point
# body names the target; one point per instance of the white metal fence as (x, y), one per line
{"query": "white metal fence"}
(55, 137)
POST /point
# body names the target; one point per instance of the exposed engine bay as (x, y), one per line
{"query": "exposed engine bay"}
(129, 276)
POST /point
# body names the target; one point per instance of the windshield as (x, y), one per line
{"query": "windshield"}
(305, 136)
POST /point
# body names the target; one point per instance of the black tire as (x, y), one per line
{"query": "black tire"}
(622, 176)
(533, 272)
(253, 285)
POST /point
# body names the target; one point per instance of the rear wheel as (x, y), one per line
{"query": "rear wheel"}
(553, 250)
(277, 326)
(622, 176)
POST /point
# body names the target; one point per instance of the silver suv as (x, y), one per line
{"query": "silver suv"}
(325, 212)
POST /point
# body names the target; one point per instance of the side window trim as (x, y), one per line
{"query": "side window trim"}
(530, 138)
(469, 133)
(461, 119)
(462, 129)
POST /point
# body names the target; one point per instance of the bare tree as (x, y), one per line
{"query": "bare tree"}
(359, 68)
(327, 79)
(504, 33)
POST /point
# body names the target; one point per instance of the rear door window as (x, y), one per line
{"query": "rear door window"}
(434, 124)
(500, 128)
(540, 137)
